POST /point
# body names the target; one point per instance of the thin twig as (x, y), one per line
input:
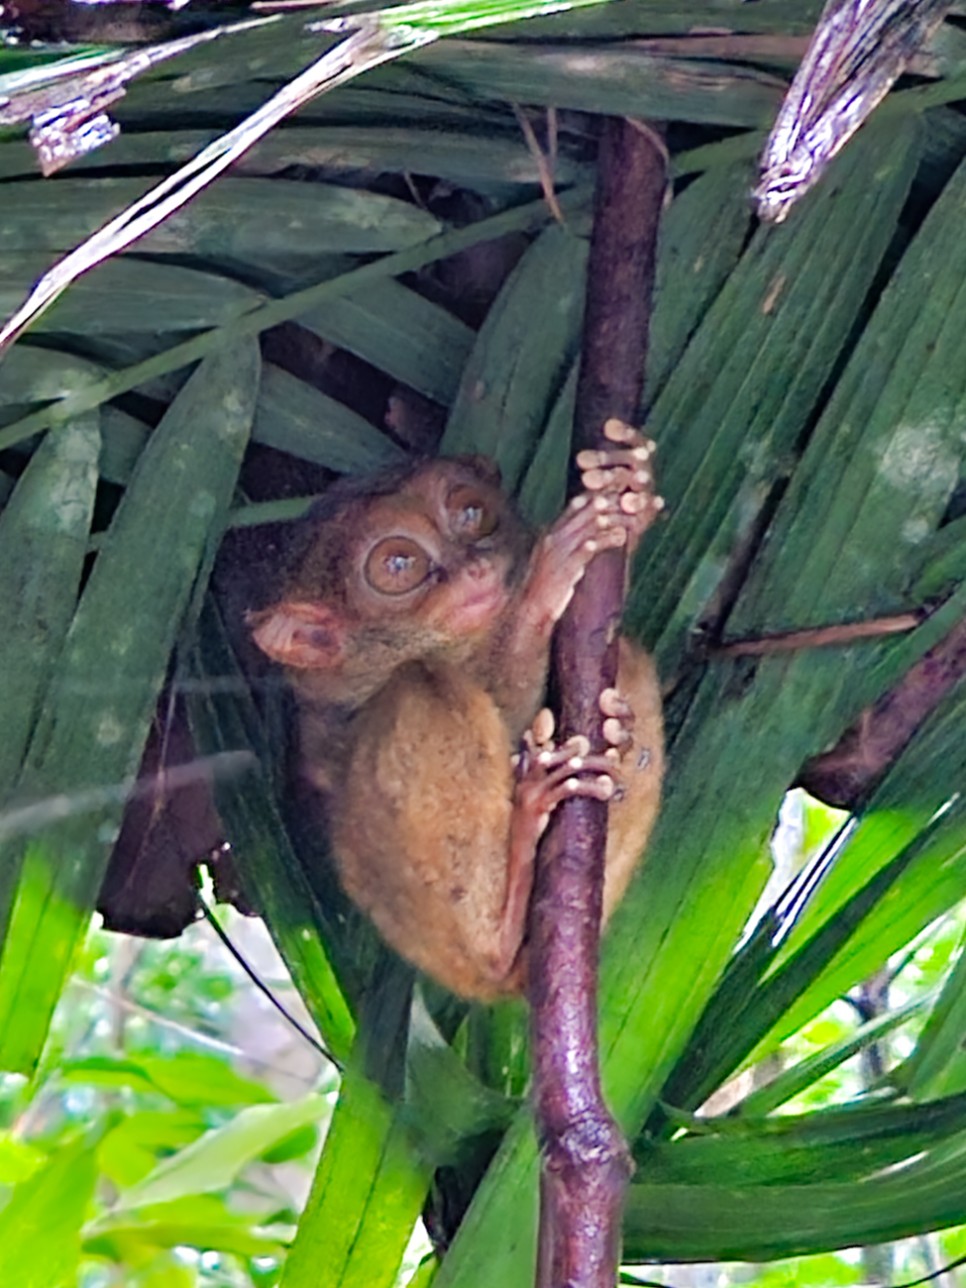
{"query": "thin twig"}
(820, 636)
(586, 1163)
(545, 162)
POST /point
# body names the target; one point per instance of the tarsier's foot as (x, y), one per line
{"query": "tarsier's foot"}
(618, 730)
(548, 773)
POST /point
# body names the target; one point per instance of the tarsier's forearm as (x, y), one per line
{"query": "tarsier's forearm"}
(615, 508)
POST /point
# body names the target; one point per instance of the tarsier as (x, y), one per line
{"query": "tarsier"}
(415, 633)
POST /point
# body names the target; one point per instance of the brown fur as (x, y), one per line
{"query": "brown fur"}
(412, 705)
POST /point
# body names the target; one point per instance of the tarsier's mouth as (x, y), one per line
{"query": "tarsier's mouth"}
(480, 605)
(491, 598)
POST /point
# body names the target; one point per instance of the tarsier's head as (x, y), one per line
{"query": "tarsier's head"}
(431, 553)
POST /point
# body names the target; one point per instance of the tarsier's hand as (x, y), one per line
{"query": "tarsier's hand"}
(616, 507)
(620, 483)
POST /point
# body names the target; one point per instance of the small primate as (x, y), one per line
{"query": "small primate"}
(415, 632)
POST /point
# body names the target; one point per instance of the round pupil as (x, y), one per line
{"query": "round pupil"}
(397, 565)
(471, 516)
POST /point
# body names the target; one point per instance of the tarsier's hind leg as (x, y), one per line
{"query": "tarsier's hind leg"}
(446, 796)
(546, 775)
(467, 819)
(638, 739)
(628, 775)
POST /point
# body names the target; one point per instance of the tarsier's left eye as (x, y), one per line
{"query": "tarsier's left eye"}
(397, 565)
(472, 516)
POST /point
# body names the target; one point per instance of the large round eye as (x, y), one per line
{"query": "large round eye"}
(471, 514)
(397, 565)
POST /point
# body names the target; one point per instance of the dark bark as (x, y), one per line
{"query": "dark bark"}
(586, 1163)
(847, 774)
(122, 22)
(169, 827)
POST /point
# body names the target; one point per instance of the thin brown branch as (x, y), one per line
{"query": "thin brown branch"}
(545, 162)
(820, 636)
(586, 1164)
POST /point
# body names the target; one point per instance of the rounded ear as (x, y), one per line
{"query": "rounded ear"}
(299, 633)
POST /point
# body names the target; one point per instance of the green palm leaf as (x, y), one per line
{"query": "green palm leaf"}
(807, 387)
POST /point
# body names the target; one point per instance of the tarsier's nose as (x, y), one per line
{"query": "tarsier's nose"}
(479, 566)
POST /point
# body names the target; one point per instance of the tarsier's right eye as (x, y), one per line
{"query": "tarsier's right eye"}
(470, 514)
(396, 565)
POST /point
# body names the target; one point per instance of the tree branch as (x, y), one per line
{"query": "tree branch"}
(848, 774)
(586, 1163)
